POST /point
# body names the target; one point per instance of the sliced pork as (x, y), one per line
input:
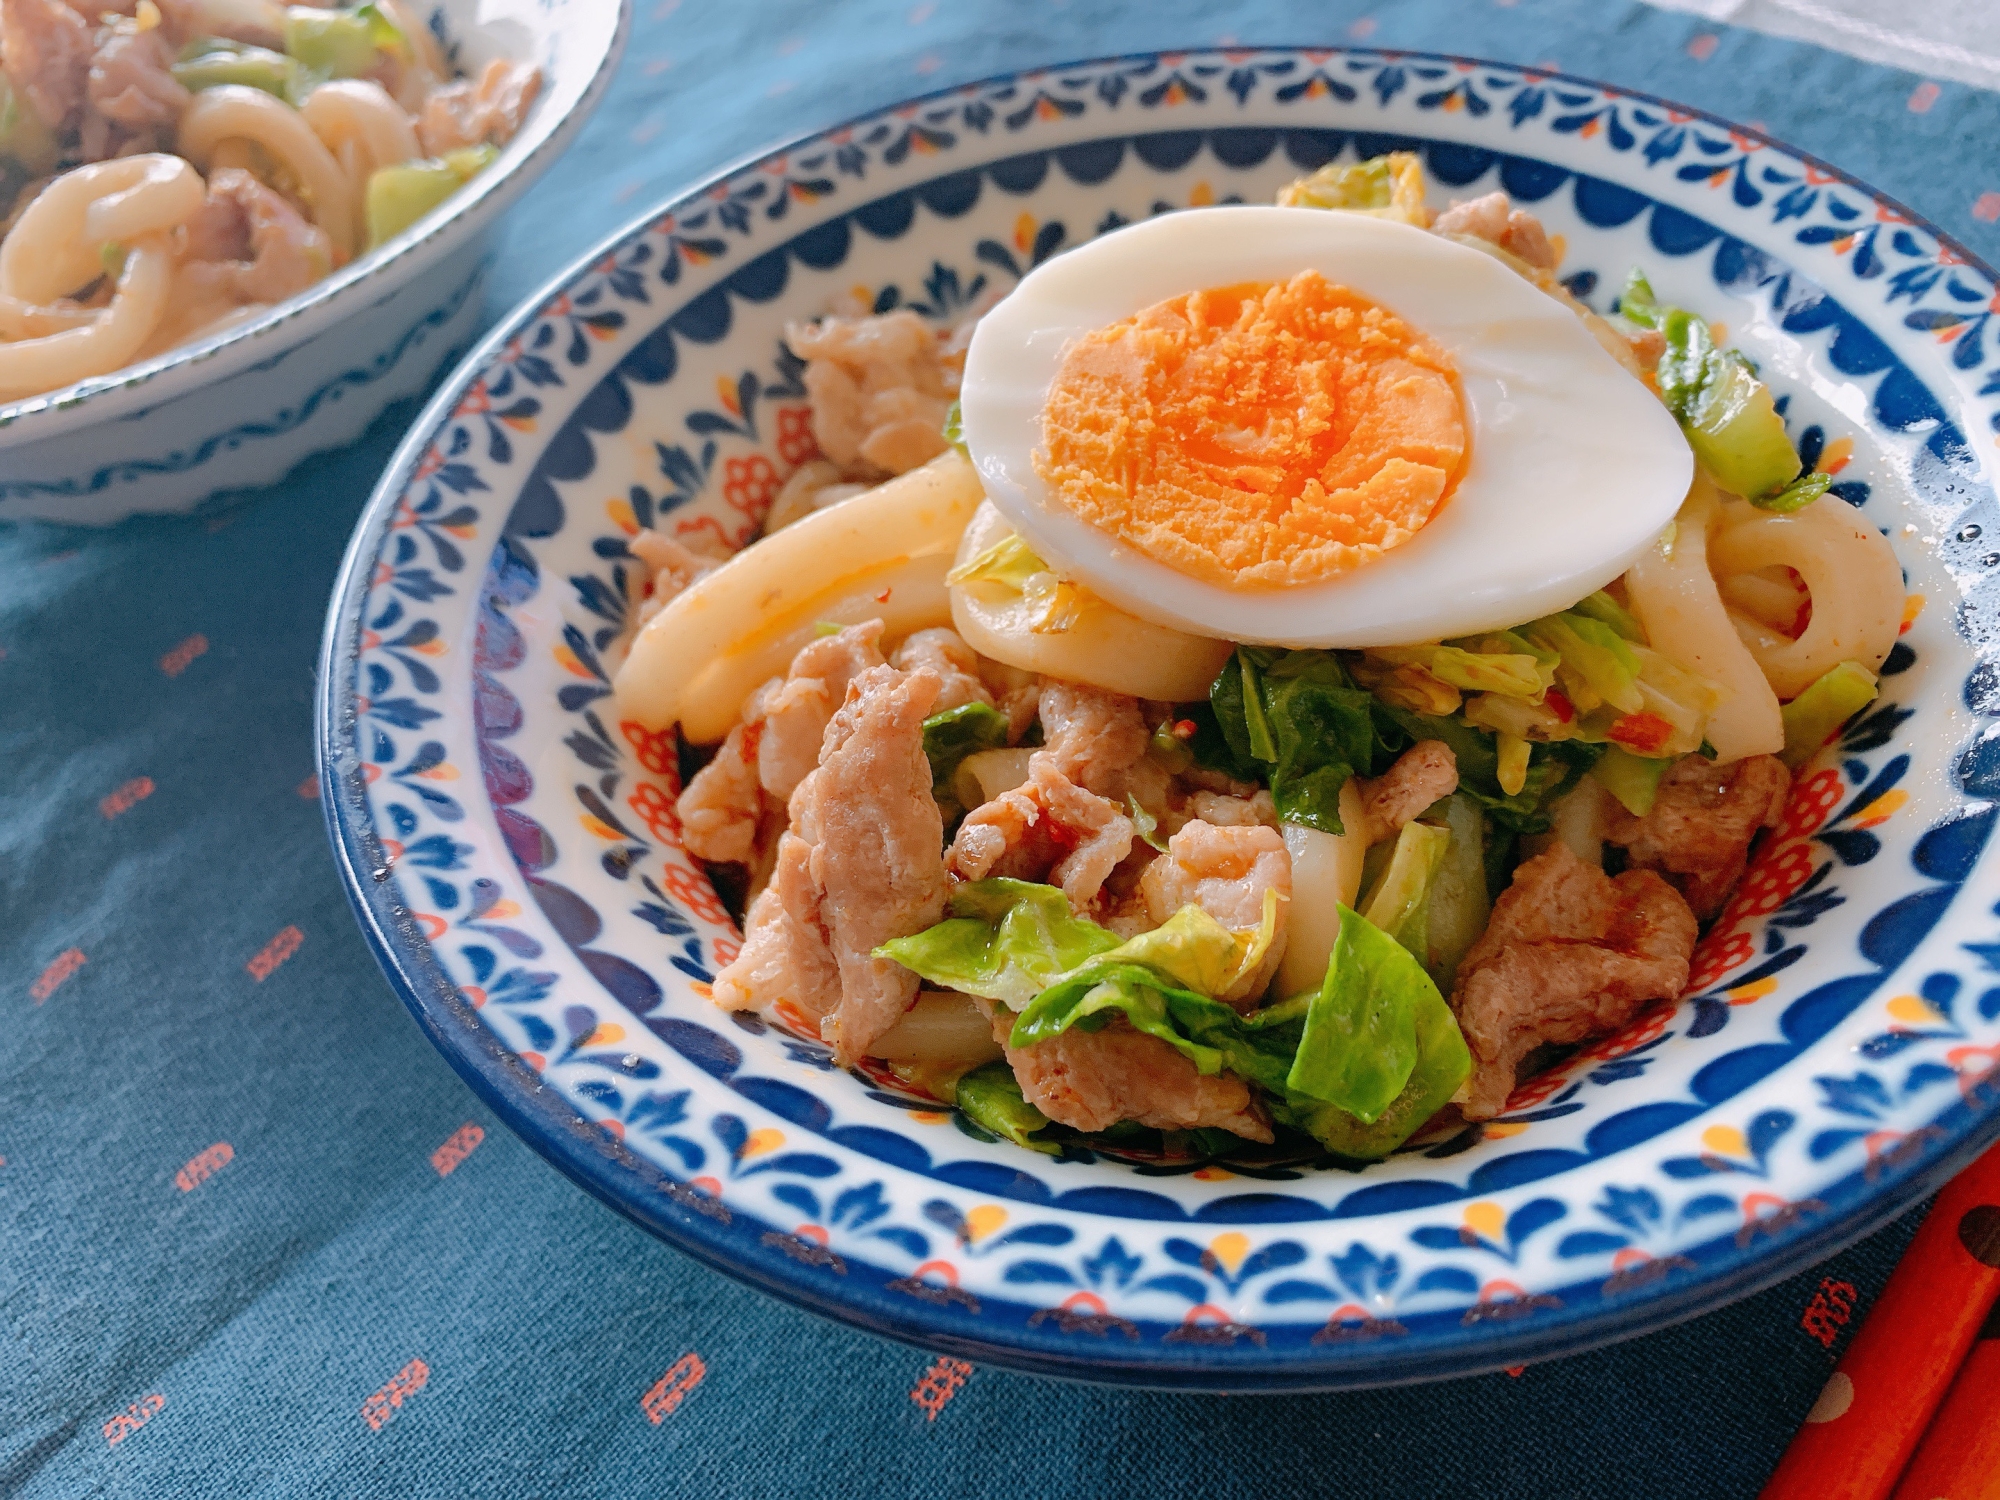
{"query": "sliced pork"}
(45, 50)
(956, 664)
(1049, 829)
(775, 745)
(879, 390)
(1569, 953)
(1699, 830)
(1494, 219)
(877, 847)
(1090, 735)
(1090, 1080)
(1421, 775)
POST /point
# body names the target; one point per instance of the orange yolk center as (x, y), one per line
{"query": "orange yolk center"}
(1256, 436)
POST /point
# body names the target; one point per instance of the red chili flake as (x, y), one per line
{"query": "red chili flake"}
(1641, 733)
(1559, 705)
(883, 597)
(1184, 729)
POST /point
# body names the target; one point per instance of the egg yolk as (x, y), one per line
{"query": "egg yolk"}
(1256, 436)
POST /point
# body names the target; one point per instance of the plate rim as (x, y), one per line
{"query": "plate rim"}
(633, 1187)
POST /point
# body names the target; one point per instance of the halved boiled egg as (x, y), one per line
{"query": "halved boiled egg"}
(1309, 428)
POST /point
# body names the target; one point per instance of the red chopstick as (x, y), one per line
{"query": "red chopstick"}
(1959, 1457)
(1859, 1436)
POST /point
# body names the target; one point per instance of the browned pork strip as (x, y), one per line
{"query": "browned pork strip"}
(861, 865)
(1092, 736)
(720, 807)
(878, 843)
(785, 954)
(1020, 700)
(247, 243)
(795, 712)
(1699, 830)
(878, 389)
(1048, 828)
(1569, 953)
(1214, 807)
(130, 84)
(1494, 218)
(672, 566)
(956, 664)
(774, 747)
(45, 50)
(1090, 1080)
(1421, 775)
(482, 112)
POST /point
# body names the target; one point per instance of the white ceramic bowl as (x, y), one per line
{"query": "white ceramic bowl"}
(242, 408)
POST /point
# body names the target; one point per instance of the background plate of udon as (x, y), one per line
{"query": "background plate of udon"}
(244, 406)
(512, 854)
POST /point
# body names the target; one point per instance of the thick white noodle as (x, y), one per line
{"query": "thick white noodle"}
(31, 320)
(220, 114)
(57, 245)
(941, 1026)
(111, 339)
(1673, 593)
(363, 127)
(1850, 570)
(1326, 875)
(1769, 599)
(428, 69)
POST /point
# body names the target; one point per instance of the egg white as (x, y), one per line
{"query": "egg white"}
(1574, 466)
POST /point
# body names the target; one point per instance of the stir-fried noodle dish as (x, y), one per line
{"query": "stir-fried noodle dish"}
(1269, 684)
(170, 168)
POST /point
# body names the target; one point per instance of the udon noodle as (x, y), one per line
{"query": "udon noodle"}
(169, 168)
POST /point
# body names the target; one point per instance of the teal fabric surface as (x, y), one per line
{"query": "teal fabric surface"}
(255, 1236)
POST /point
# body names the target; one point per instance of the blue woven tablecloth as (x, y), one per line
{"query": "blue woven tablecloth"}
(255, 1236)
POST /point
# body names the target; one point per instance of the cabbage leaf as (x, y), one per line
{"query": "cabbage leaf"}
(1005, 940)
(1812, 718)
(1728, 414)
(1301, 720)
(1358, 1064)
(990, 1097)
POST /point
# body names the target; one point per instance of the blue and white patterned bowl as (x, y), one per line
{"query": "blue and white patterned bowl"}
(511, 850)
(242, 408)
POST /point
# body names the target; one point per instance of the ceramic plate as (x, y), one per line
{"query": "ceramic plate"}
(512, 851)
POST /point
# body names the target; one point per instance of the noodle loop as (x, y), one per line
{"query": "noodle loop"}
(1850, 570)
(363, 127)
(108, 341)
(1674, 595)
(231, 111)
(57, 247)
